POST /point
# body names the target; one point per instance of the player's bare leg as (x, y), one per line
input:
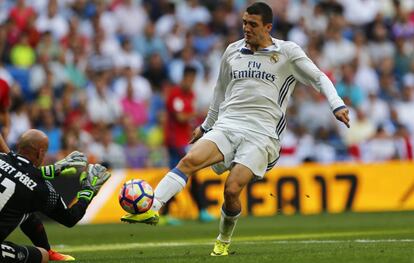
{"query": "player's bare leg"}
(204, 153)
(239, 177)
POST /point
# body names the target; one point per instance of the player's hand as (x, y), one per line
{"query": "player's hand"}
(343, 116)
(197, 133)
(92, 180)
(69, 165)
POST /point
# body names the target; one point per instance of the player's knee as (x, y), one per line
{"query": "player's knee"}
(232, 191)
(189, 163)
(45, 254)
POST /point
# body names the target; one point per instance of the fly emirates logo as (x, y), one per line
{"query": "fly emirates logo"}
(253, 71)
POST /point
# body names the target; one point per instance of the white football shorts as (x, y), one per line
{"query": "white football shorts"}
(256, 151)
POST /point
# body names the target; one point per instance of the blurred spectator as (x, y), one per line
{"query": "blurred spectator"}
(325, 152)
(388, 88)
(376, 109)
(204, 89)
(204, 40)
(190, 12)
(404, 143)
(131, 18)
(5, 97)
(347, 86)
(105, 150)
(53, 132)
(311, 109)
(102, 105)
(186, 58)
(380, 46)
(381, 147)
(405, 108)
(5, 75)
(180, 123)
(150, 43)
(156, 71)
(167, 21)
(141, 88)
(135, 109)
(75, 70)
(74, 39)
(361, 130)
(22, 54)
(47, 73)
(98, 61)
(19, 121)
(107, 20)
(21, 14)
(298, 33)
(136, 153)
(175, 39)
(180, 114)
(337, 49)
(360, 12)
(300, 10)
(52, 21)
(127, 58)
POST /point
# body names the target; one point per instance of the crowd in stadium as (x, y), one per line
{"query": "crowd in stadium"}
(96, 76)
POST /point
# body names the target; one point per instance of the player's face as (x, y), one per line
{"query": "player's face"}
(255, 32)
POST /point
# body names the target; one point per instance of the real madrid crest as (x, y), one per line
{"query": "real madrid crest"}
(274, 58)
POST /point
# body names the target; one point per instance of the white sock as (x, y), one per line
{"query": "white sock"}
(172, 183)
(227, 224)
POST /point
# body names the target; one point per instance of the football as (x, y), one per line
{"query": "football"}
(136, 196)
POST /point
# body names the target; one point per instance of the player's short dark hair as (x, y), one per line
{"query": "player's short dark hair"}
(190, 70)
(263, 10)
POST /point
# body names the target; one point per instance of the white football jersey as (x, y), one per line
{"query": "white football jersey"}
(253, 89)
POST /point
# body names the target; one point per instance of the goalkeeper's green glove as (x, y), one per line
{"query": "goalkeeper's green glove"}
(92, 180)
(67, 166)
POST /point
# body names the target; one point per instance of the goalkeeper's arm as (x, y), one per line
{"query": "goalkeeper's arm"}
(91, 181)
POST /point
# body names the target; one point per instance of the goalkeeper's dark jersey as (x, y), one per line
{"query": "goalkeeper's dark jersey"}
(23, 191)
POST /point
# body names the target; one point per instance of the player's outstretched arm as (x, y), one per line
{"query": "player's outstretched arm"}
(342, 114)
(91, 181)
(70, 165)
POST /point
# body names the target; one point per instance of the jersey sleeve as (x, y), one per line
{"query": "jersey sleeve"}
(52, 205)
(219, 92)
(308, 73)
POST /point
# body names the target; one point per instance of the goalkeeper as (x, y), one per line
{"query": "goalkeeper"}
(33, 227)
(24, 190)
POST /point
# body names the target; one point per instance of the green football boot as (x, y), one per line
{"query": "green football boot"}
(150, 217)
(220, 249)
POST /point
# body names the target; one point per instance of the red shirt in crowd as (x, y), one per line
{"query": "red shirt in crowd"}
(21, 16)
(178, 134)
(4, 95)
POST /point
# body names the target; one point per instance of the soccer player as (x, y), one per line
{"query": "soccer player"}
(33, 226)
(246, 119)
(23, 190)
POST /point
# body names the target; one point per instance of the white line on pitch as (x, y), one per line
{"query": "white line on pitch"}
(126, 246)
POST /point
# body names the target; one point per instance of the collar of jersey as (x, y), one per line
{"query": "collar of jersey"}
(21, 158)
(247, 51)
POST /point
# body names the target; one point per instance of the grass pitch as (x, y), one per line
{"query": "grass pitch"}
(349, 237)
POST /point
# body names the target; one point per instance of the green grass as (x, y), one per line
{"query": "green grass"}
(349, 237)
